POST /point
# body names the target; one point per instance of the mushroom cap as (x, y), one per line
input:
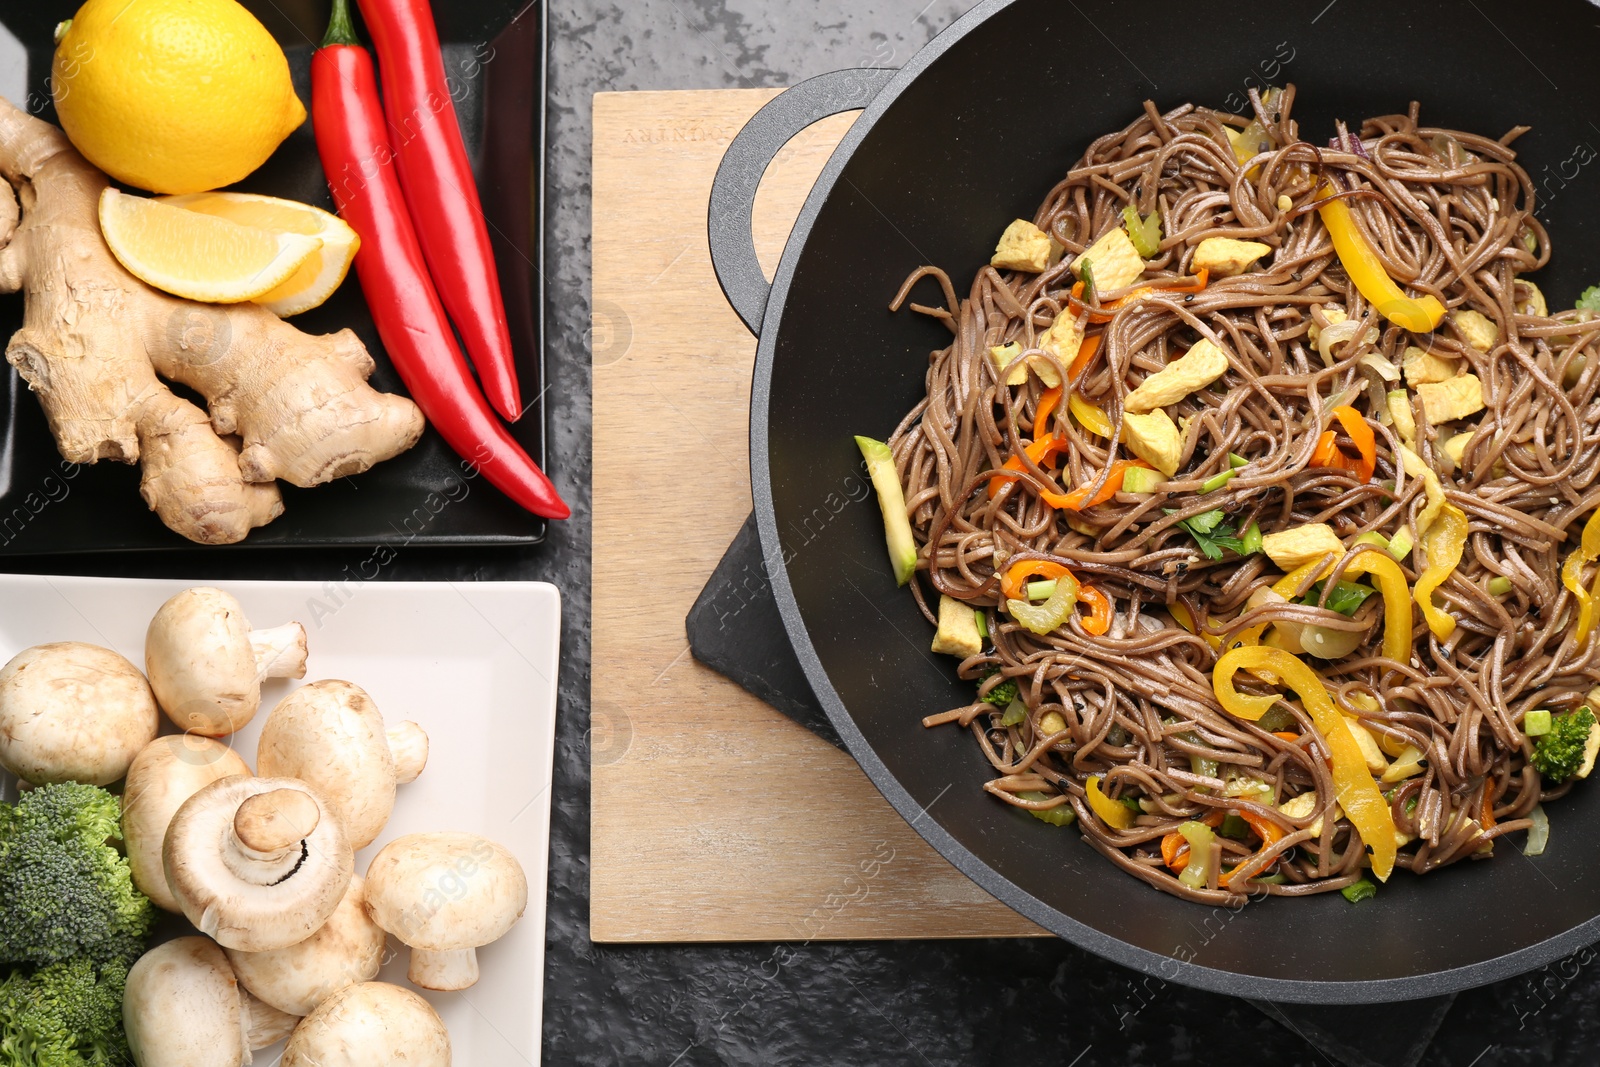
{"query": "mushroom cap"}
(373, 1024)
(348, 949)
(331, 735)
(165, 773)
(446, 891)
(201, 664)
(250, 892)
(182, 1007)
(73, 712)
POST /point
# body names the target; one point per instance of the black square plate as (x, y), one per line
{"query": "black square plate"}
(494, 54)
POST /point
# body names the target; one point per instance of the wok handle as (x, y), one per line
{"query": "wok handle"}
(733, 192)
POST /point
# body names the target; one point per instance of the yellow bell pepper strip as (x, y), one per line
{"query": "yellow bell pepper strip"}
(1430, 483)
(1186, 620)
(1365, 269)
(1358, 794)
(1572, 576)
(1442, 546)
(1089, 417)
(1391, 581)
(1112, 812)
(1329, 454)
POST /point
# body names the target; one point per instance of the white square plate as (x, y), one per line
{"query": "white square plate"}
(473, 663)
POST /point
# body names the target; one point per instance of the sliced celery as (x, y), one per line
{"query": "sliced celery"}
(1058, 816)
(1250, 540)
(1200, 837)
(1358, 891)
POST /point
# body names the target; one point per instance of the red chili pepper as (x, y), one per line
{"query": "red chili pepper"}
(440, 191)
(354, 146)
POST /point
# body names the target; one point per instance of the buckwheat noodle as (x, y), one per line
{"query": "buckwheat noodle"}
(1450, 214)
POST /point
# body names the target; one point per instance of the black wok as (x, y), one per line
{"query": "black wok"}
(971, 133)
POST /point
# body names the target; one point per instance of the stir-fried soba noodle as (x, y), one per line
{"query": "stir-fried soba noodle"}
(1304, 588)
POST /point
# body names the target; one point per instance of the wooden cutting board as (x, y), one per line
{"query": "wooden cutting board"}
(714, 817)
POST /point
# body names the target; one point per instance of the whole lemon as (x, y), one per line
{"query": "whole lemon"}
(173, 96)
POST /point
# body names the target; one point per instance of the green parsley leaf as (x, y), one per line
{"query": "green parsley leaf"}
(1211, 534)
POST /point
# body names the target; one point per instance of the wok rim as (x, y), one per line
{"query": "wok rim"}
(1168, 968)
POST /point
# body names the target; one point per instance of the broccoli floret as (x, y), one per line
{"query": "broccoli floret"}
(64, 1015)
(65, 891)
(1002, 694)
(1589, 300)
(1560, 753)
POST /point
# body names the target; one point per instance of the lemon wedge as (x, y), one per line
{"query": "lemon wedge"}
(200, 257)
(319, 276)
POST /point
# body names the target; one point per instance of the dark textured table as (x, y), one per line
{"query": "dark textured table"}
(999, 1002)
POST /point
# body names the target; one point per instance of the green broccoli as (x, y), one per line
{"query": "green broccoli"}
(64, 1015)
(1589, 300)
(65, 891)
(1561, 753)
(1002, 694)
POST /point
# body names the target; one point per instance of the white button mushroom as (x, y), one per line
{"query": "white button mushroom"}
(184, 1008)
(444, 895)
(73, 712)
(257, 863)
(346, 950)
(165, 773)
(370, 1025)
(331, 735)
(206, 664)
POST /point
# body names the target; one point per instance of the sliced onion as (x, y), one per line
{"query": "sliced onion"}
(1298, 638)
(1324, 643)
(1339, 333)
(1386, 370)
(1538, 833)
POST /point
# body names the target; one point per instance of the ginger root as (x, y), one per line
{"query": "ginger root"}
(94, 339)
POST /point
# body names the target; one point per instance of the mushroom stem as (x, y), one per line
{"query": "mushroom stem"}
(409, 746)
(267, 833)
(280, 651)
(263, 1024)
(445, 970)
(272, 822)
